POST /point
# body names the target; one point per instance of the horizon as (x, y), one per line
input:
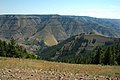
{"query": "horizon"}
(94, 8)
(53, 15)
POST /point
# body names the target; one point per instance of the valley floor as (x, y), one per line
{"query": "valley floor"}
(26, 69)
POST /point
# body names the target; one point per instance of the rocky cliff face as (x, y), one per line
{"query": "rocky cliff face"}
(31, 30)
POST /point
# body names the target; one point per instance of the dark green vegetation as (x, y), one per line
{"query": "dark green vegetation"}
(108, 56)
(12, 49)
(85, 49)
(37, 31)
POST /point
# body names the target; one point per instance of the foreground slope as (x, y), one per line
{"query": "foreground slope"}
(25, 69)
(32, 31)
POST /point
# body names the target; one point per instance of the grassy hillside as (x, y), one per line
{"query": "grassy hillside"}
(26, 69)
(78, 45)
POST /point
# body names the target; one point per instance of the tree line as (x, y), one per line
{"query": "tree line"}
(12, 49)
(107, 55)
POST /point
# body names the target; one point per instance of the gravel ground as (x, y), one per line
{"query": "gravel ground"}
(25, 69)
(28, 74)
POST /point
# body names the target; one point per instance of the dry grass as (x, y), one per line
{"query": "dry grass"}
(12, 63)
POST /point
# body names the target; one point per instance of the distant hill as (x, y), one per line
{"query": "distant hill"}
(86, 49)
(35, 31)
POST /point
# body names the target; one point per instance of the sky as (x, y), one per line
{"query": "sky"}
(93, 8)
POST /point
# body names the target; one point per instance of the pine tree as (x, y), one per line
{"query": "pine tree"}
(1, 49)
(5, 48)
(12, 48)
(107, 56)
(118, 59)
(112, 61)
(97, 57)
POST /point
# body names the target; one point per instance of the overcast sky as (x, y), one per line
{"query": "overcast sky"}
(93, 8)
